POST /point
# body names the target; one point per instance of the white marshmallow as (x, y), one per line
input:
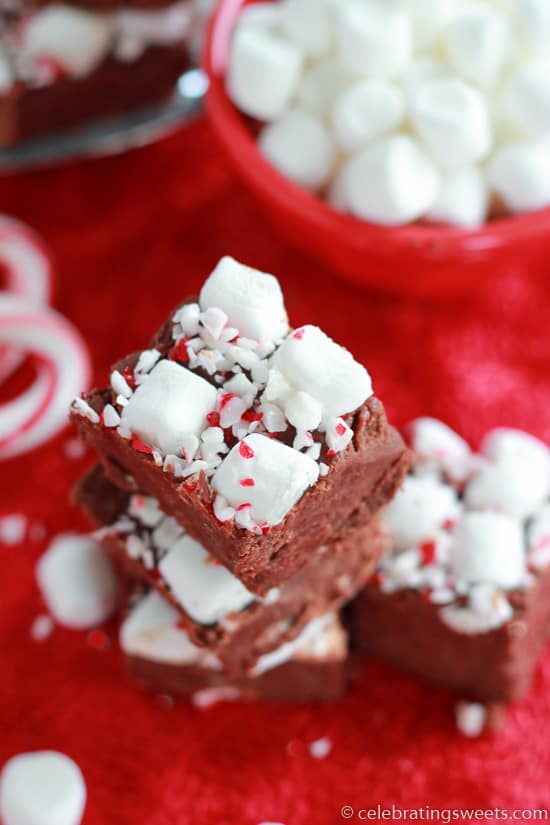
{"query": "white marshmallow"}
(150, 631)
(300, 147)
(77, 581)
(262, 15)
(520, 174)
(429, 17)
(320, 86)
(366, 111)
(489, 549)
(420, 71)
(392, 182)
(263, 72)
(281, 476)
(441, 448)
(206, 590)
(506, 445)
(419, 510)
(375, 38)
(535, 19)
(527, 99)
(479, 41)
(308, 24)
(453, 121)
(251, 299)
(463, 199)
(77, 39)
(42, 788)
(169, 406)
(512, 488)
(313, 363)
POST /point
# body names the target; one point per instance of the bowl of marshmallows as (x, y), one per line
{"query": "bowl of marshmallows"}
(404, 142)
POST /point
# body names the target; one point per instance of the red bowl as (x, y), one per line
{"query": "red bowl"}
(416, 260)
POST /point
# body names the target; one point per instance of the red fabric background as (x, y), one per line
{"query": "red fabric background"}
(131, 235)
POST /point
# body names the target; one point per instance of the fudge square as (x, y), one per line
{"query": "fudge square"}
(463, 598)
(215, 608)
(263, 442)
(162, 658)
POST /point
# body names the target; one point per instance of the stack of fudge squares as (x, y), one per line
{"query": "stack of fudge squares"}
(462, 598)
(243, 468)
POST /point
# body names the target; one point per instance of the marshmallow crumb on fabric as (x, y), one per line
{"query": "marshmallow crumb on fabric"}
(320, 748)
(13, 529)
(470, 718)
(77, 581)
(340, 87)
(208, 697)
(42, 628)
(42, 788)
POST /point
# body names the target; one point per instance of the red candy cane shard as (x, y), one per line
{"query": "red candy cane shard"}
(247, 482)
(245, 451)
(138, 445)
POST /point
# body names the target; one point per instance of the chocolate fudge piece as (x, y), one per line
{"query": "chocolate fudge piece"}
(463, 598)
(216, 610)
(265, 443)
(162, 659)
(65, 65)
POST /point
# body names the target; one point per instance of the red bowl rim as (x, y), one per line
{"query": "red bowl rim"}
(232, 130)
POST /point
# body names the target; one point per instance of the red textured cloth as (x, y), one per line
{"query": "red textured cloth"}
(131, 236)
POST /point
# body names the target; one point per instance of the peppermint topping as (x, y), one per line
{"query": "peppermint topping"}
(229, 373)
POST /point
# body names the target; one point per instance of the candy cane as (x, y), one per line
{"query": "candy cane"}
(63, 372)
(25, 271)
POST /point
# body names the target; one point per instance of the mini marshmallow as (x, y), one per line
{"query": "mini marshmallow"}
(206, 590)
(535, 20)
(429, 17)
(77, 39)
(263, 15)
(300, 147)
(251, 299)
(151, 631)
(375, 38)
(392, 182)
(463, 199)
(42, 788)
(489, 549)
(313, 363)
(520, 174)
(506, 445)
(441, 448)
(77, 581)
(479, 41)
(366, 111)
(421, 507)
(452, 119)
(169, 406)
(308, 24)
(263, 72)
(280, 477)
(419, 71)
(527, 100)
(507, 487)
(320, 86)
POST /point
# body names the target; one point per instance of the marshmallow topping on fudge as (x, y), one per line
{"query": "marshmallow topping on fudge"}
(471, 553)
(231, 405)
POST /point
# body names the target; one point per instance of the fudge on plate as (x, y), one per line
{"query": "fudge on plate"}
(163, 659)
(64, 65)
(463, 597)
(215, 608)
(262, 441)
